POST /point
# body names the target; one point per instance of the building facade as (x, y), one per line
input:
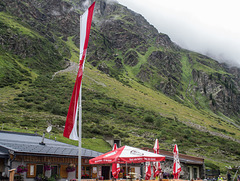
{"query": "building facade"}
(192, 167)
(34, 157)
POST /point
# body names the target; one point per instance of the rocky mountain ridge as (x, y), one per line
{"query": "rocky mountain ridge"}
(121, 36)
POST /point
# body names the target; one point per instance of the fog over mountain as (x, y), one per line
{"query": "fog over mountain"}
(207, 27)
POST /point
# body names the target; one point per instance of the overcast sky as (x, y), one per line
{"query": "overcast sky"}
(211, 27)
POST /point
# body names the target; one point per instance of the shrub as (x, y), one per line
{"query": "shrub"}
(149, 119)
(96, 130)
(158, 123)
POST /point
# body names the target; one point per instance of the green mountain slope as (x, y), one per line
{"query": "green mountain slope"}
(137, 85)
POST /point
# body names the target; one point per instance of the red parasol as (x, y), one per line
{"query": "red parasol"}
(127, 154)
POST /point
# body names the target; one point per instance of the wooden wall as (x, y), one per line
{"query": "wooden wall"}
(46, 159)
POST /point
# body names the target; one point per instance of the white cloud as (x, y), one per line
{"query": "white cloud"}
(201, 25)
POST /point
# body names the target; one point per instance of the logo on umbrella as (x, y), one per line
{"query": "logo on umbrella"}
(134, 152)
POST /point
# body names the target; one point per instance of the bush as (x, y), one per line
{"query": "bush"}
(149, 119)
(7, 120)
(158, 123)
(96, 130)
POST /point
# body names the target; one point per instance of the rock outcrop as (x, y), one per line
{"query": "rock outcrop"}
(121, 38)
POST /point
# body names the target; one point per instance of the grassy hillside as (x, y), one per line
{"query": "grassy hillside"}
(136, 94)
(111, 108)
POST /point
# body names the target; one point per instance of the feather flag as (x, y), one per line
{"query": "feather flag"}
(148, 172)
(176, 164)
(115, 166)
(156, 165)
(70, 130)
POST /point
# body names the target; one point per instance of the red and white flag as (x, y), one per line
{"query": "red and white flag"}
(156, 165)
(70, 130)
(156, 147)
(115, 166)
(148, 172)
(176, 164)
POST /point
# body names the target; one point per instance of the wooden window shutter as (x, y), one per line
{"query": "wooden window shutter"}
(63, 172)
(31, 173)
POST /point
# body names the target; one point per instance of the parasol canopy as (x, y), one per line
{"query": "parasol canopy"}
(127, 154)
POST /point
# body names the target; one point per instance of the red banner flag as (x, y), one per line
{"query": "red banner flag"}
(70, 130)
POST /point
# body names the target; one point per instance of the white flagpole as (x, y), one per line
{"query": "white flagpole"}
(80, 119)
(80, 130)
(81, 47)
(80, 135)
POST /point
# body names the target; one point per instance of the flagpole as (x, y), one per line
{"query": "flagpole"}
(80, 136)
(80, 117)
(70, 130)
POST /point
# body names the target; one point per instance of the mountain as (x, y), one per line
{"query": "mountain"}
(138, 85)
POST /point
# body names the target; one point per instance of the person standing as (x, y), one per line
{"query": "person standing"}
(229, 176)
(220, 178)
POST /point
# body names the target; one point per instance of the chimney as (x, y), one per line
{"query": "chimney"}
(42, 143)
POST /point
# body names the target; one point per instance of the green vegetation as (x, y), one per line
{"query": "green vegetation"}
(12, 22)
(120, 99)
(46, 101)
(23, 61)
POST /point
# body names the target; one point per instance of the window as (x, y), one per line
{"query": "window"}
(190, 175)
(31, 170)
(94, 172)
(195, 173)
(39, 170)
(54, 170)
(86, 171)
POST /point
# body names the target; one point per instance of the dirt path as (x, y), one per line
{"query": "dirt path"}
(204, 129)
(73, 67)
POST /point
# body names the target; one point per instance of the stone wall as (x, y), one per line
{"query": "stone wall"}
(167, 168)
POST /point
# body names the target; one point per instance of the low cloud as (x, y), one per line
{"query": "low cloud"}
(207, 27)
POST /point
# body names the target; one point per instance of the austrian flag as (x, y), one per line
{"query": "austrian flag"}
(70, 130)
